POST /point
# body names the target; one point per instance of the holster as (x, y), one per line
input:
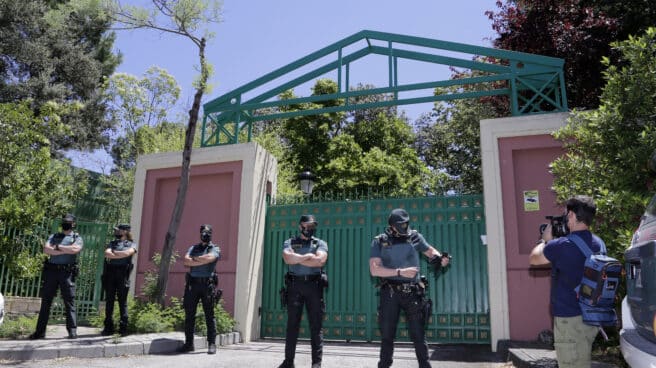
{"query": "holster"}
(323, 281)
(284, 295)
(427, 309)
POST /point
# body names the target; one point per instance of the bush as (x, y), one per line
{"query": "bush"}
(14, 328)
(147, 317)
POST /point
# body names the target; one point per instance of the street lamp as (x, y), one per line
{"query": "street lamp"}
(306, 179)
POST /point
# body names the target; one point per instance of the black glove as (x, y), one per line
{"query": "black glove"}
(414, 237)
(436, 262)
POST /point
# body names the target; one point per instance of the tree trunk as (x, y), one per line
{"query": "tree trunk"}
(176, 216)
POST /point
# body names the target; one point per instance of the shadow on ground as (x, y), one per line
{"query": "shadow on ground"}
(465, 353)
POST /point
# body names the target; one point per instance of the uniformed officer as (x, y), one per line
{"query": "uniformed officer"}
(200, 285)
(116, 278)
(305, 256)
(395, 259)
(59, 272)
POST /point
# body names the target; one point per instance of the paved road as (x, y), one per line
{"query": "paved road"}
(261, 354)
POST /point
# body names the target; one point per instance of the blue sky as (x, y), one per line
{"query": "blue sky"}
(257, 37)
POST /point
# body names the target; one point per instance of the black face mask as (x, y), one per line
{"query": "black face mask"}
(400, 229)
(67, 226)
(205, 237)
(308, 231)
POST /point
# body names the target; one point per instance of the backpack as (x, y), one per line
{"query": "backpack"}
(599, 284)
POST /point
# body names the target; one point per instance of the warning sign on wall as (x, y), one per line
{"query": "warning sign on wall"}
(531, 200)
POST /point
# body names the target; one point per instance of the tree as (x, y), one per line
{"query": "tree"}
(33, 186)
(183, 18)
(137, 103)
(574, 30)
(58, 51)
(355, 151)
(610, 149)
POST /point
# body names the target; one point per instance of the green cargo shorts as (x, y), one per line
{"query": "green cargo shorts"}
(573, 342)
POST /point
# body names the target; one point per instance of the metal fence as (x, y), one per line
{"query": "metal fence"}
(461, 310)
(88, 289)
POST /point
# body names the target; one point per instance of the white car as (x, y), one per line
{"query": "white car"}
(638, 334)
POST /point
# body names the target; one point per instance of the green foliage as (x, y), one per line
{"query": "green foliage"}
(348, 152)
(149, 289)
(141, 103)
(609, 149)
(448, 140)
(149, 317)
(17, 327)
(58, 52)
(33, 186)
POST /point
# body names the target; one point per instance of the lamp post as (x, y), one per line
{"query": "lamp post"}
(306, 179)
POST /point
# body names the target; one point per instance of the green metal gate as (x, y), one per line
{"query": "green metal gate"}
(461, 311)
(90, 259)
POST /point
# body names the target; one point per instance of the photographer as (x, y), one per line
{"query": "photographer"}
(572, 338)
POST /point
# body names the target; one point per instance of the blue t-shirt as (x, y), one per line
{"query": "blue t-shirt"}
(567, 264)
(398, 252)
(304, 246)
(200, 250)
(64, 240)
(121, 245)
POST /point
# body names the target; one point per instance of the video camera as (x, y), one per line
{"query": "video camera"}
(558, 226)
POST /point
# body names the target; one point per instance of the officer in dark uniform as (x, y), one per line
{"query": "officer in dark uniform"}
(305, 256)
(395, 259)
(201, 282)
(116, 278)
(59, 272)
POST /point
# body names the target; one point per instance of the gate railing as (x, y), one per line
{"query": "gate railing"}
(90, 259)
(453, 224)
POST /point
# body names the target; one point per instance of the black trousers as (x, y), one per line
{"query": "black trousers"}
(54, 279)
(310, 294)
(198, 290)
(117, 285)
(391, 304)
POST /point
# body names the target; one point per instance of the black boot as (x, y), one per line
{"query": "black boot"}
(286, 364)
(186, 348)
(37, 336)
(211, 348)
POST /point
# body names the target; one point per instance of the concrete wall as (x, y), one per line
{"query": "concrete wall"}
(516, 153)
(227, 189)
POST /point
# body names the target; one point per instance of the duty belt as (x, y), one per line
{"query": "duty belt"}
(59, 267)
(404, 287)
(314, 277)
(199, 280)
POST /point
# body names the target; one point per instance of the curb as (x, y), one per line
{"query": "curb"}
(104, 347)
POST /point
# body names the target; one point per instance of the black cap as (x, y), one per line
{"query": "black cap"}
(398, 215)
(125, 227)
(69, 217)
(205, 228)
(307, 218)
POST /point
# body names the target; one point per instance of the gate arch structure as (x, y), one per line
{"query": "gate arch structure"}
(532, 83)
(461, 310)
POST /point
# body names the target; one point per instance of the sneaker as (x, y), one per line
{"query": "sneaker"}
(107, 332)
(72, 334)
(123, 333)
(186, 348)
(36, 336)
(211, 349)
(286, 364)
